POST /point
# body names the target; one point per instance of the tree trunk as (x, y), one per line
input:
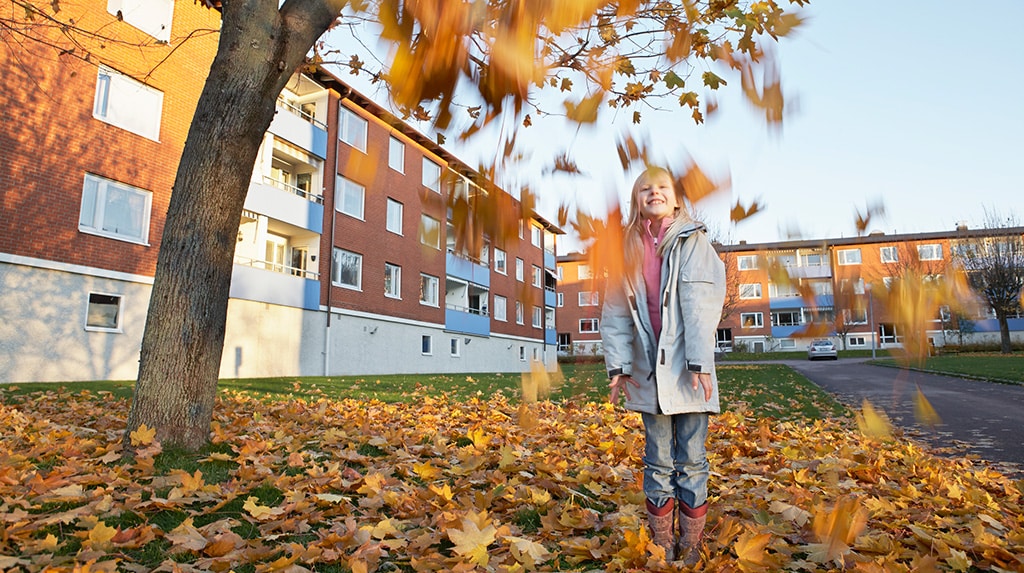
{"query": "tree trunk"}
(1004, 333)
(259, 49)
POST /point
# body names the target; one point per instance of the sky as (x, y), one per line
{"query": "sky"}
(912, 106)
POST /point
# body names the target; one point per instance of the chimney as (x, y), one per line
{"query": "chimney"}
(961, 225)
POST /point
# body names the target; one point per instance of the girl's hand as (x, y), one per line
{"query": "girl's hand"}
(621, 383)
(702, 379)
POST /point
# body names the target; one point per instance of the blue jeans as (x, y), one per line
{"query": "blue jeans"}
(675, 459)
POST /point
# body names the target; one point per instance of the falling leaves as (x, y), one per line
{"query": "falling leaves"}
(493, 484)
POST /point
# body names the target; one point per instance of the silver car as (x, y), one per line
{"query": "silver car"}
(822, 349)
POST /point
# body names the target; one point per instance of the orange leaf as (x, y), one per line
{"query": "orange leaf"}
(142, 436)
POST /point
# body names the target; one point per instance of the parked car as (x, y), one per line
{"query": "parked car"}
(822, 349)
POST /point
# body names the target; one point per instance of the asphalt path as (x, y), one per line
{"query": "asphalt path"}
(978, 418)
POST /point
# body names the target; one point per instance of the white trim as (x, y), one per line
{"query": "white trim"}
(74, 269)
(381, 317)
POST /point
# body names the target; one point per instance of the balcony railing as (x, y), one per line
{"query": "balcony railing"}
(300, 113)
(460, 308)
(276, 267)
(289, 188)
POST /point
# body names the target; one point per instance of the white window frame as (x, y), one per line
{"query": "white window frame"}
(456, 347)
(127, 103)
(431, 175)
(519, 312)
(560, 299)
(536, 236)
(522, 354)
(847, 257)
(538, 317)
(500, 261)
(392, 279)
(584, 272)
(426, 345)
(857, 341)
(536, 276)
(757, 316)
(396, 154)
(888, 254)
(395, 212)
(594, 325)
(426, 220)
(352, 128)
(746, 262)
(336, 269)
(519, 269)
(748, 291)
(500, 308)
(588, 298)
(100, 194)
(95, 315)
(934, 251)
(349, 197)
(429, 290)
(153, 17)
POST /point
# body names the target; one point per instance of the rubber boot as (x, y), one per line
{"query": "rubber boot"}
(691, 530)
(662, 523)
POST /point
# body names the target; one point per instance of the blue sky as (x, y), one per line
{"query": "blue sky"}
(915, 106)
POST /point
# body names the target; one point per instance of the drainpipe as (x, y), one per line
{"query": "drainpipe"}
(330, 242)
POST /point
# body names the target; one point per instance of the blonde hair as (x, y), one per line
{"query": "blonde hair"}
(632, 241)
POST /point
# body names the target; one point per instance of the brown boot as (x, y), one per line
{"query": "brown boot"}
(691, 530)
(662, 524)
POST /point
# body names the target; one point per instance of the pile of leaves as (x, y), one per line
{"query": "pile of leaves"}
(491, 485)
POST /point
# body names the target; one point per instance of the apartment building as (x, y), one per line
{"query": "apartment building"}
(783, 295)
(346, 261)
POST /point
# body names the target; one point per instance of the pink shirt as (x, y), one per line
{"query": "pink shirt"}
(652, 274)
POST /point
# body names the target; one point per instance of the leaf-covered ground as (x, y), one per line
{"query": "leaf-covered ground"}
(432, 484)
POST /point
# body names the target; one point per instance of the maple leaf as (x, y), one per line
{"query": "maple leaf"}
(258, 511)
(187, 536)
(101, 534)
(836, 529)
(426, 471)
(527, 552)
(750, 549)
(142, 436)
(923, 410)
(872, 423)
(471, 541)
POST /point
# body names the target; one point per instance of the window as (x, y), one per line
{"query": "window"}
(426, 345)
(750, 290)
(536, 236)
(776, 290)
(430, 231)
(519, 269)
(396, 155)
(588, 298)
(431, 175)
(392, 280)
(499, 261)
(537, 278)
(857, 341)
(394, 222)
(888, 282)
(428, 290)
(812, 259)
(929, 252)
(522, 354)
(855, 316)
(887, 334)
(347, 269)
(589, 326)
(752, 319)
(128, 104)
(558, 272)
(151, 16)
(787, 343)
(521, 222)
(848, 257)
(115, 210)
(500, 310)
(560, 300)
(786, 318)
(584, 272)
(538, 317)
(888, 255)
(348, 197)
(746, 262)
(519, 312)
(352, 128)
(103, 312)
(456, 346)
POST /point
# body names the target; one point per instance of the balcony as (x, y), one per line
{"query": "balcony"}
(810, 272)
(550, 297)
(466, 320)
(263, 281)
(467, 270)
(300, 129)
(286, 203)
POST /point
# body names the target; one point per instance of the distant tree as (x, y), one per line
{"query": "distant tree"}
(994, 265)
(592, 55)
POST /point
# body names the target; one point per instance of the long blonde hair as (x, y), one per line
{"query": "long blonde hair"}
(633, 243)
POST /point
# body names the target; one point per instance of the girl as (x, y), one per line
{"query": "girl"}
(658, 329)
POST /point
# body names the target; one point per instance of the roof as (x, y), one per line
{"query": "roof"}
(959, 233)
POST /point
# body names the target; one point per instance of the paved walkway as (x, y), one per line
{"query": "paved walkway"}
(980, 418)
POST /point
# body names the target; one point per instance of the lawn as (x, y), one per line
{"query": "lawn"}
(458, 473)
(986, 366)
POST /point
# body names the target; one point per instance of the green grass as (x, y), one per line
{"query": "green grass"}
(793, 355)
(986, 366)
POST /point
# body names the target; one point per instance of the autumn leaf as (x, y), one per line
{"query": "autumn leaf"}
(923, 410)
(836, 529)
(471, 541)
(526, 551)
(258, 511)
(101, 534)
(142, 436)
(873, 423)
(750, 550)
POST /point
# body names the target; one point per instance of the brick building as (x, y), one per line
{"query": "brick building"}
(346, 261)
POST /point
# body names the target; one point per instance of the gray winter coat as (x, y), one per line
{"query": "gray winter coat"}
(693, 292)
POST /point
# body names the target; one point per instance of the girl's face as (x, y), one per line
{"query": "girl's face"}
(656, 198)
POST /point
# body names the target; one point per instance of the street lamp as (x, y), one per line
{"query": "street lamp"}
(871, 318)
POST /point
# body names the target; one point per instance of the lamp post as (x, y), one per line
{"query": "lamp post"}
(871, 319)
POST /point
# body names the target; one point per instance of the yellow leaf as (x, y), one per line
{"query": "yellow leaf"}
(187, 536)
(527, 552)
(750, 547)
(426, 471)
(142, 436)
(790, 512)
(472, 541)
(837, 529)
(260, 511)
(873, 424)
(923, 410)
(958, 560)
(101, 534)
